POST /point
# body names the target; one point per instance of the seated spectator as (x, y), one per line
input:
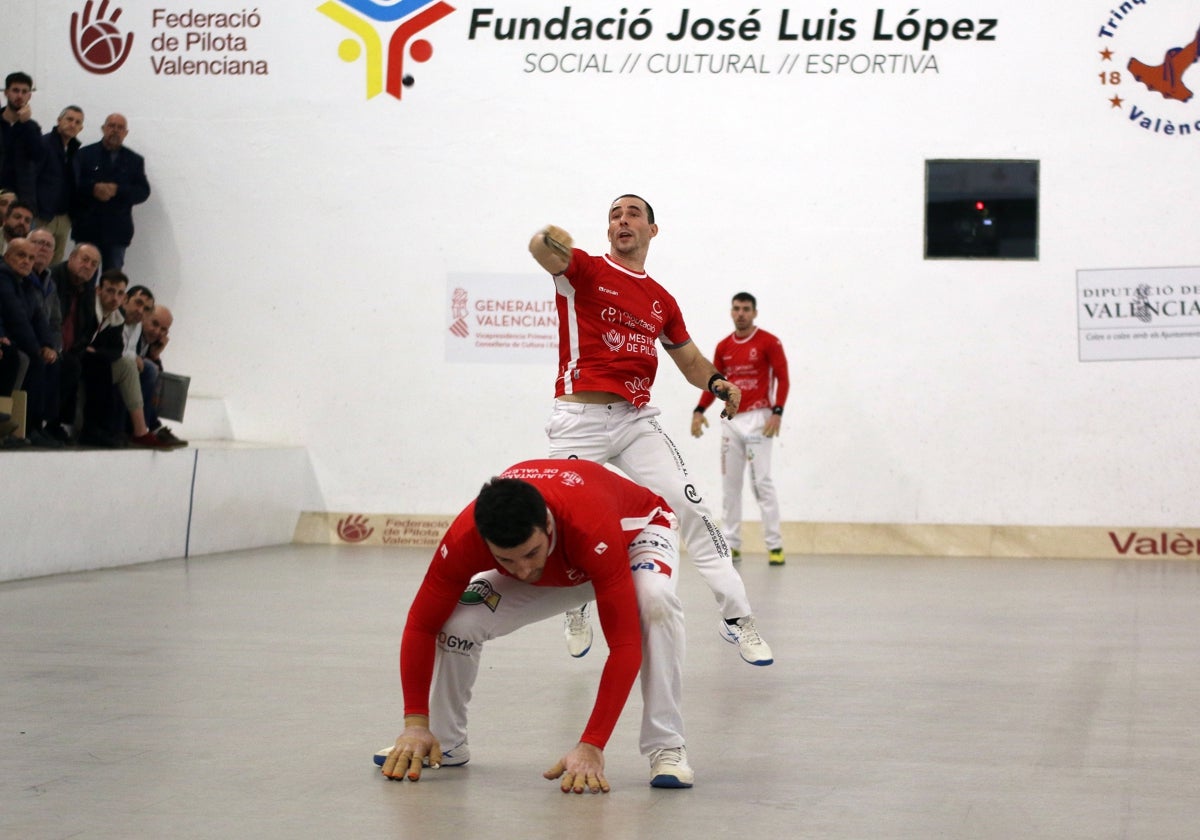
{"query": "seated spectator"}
(41, 291)
(156, 328)
(10, 372)
(57, 177)
(75, 282)
(27, 331)
(7, 197)
(18, 220)
(104, 365)
(43, 244)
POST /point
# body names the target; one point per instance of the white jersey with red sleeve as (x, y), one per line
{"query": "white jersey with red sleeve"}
(596, 513)
(757, 365)
(609, 319)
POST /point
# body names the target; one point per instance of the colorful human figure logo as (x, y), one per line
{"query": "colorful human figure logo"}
(99, 46)
(385, 66)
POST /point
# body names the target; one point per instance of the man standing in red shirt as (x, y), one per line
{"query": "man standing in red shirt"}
(611, 316)
(754, 360)
(539, 539)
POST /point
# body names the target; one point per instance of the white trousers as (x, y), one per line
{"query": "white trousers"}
(507, 604)
(632, 440)
(742, 446)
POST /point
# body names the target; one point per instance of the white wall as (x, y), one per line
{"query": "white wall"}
(303, 235)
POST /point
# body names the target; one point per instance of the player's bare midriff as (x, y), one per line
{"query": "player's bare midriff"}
(592, 397)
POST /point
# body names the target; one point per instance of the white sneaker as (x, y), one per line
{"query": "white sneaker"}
(669, 768)
(577, 628)
(744, 634)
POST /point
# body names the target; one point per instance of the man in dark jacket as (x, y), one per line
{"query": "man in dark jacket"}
(27, 331)
(21, 138)
(112, 179)
(57, 178)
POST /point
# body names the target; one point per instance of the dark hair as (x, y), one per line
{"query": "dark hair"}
(508, 511)
(18, 204)
(747, 297)
(135, 290)
(114, 275)
(649, 209)
(74, 108)
(17, 78)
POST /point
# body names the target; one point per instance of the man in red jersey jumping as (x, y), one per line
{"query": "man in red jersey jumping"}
(611, 314)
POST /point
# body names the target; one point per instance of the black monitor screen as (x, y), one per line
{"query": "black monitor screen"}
(981, 209)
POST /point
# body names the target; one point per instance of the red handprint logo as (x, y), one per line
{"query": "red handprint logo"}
(354, 528)
(98, 45)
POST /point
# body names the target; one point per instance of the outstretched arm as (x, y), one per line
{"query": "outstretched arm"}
(703, 374)
(551, 247)
(413, 748)
(581, 769)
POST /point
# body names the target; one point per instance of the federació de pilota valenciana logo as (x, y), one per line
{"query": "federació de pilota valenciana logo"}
(99, 44)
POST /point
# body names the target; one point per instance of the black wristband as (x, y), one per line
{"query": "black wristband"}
(698, 410)
(716, 377)
(777, 410)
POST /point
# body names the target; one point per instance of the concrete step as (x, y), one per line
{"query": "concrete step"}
(79, 509)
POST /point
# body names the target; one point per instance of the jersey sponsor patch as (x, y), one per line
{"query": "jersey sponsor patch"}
(480, 592)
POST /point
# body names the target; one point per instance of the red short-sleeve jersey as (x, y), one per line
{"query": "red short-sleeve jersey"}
(757, 365)
(609, 320)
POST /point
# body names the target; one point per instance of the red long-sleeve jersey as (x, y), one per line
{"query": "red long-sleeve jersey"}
(596, 514)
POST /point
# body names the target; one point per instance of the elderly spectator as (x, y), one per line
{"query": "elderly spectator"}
(26, 331)
(156, 327)
(75, 280)
(112, 179)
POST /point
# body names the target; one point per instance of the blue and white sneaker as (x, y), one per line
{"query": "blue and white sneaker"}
(744, 634)
(577, 630)
(454, 757)
(669, 769)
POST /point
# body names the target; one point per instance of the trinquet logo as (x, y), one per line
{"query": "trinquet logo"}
(99, 46)
(1149, 90)
(384, 65)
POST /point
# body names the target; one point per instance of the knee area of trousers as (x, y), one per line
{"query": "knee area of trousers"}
(450, 641)
(124, 368)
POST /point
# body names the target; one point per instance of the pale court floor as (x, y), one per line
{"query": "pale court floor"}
(242, 696)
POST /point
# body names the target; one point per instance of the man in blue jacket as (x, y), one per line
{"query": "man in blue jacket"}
(26, 330)
(57, 178)
(112, 179)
